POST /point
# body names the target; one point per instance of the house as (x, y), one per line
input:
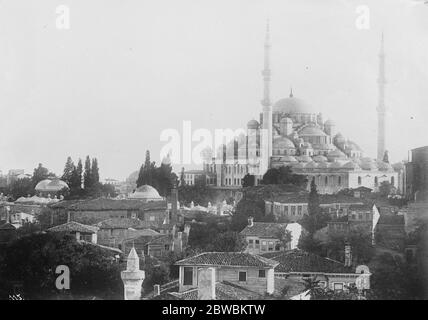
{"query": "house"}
(80, 231)
(294, 205)
(265, 236)
(157, 245)
(390, 231)
(300, 265)
(112, 232)
(96, 210)
(246, 270)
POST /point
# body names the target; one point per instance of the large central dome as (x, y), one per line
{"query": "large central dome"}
(292, 105)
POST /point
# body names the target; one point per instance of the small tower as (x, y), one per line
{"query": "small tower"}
(132, 277)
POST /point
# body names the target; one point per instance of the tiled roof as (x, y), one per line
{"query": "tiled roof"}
(391, 219)
(7, 226)
(73, 226)
(361, 207)
(263, 229)
(106, 204)
(124, 223)
(232, 259)
(302, 197)
(301, 261)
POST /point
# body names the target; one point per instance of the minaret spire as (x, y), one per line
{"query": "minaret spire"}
(381, 108)
(266, 73)
(266, 136)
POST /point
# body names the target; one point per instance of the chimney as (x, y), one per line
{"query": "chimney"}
(348, 255)
(250, 221)
(156, 290)
(206, 284)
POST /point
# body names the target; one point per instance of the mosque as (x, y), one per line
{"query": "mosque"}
(291, 132)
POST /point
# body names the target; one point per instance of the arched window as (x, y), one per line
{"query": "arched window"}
(326, 180)
(359, 180)
(339, 180)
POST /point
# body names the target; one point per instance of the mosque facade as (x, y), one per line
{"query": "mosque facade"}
(291, 132)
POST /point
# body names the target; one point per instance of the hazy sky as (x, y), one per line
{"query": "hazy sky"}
(126, 70)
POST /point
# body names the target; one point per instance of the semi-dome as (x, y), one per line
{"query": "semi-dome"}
(289, 159)
(329, 122)
(283, 143)
(339, 138)
(368, 164)
(351, 165)
(293, 105)
(336, 154)
(320, 158)
(146, 192)
(299, 165)
(312, 165)
(323, 165)
(311, 130)
(384, 166)
(336, 165)
(253, 124)
(304, 158)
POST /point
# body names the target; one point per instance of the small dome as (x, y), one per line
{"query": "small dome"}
(351, 165)
(53, 185)
(323, 165)
(398, 166)
(253, 124)
(289, 159)
(312, 165)
(336, 154)
(286, 120)
(384, 166)
(312, 130)
(368, 164)
(320, 158)
(292, 105)
(299, 165)
(352, 146)
(146, 192)
(304, 158)
(329, 122)
(335, 165)
(283, 143)
(339, 138)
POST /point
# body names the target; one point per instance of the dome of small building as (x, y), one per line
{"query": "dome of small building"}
(320, 158)
(293, 105)
(283, 143)
(49, 185)
(304, 158)
(299, 165)
(351, 145)
(368, 164)
(398, 166)
(146, 192)
(311, 130)
(253, 124)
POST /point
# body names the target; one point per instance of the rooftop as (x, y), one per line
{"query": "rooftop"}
(73, 226)
(300, 261)
(230, 259)
(125, 223)
(263, 229)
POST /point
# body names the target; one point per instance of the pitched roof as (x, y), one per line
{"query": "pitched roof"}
(230, 259)
(300, 261)
(391, 219)
(73, 226)
(106, 204)
(7, 226)
(263, 229)
(124, 223)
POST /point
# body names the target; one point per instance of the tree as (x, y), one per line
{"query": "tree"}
(21, 188)
(315, 219)
(95, 175)
(284, 237)
(229, 241)
(68, 171)
(248, 180)
(182, 180)
(87, 176)
(145, 176)
(40, 173)
(283, 175)
(33, 259)
(385, 189)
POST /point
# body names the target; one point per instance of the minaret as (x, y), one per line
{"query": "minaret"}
(132, 277)
(381, 109)
(267, 107)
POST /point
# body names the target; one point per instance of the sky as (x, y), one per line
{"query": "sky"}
(125, 71)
